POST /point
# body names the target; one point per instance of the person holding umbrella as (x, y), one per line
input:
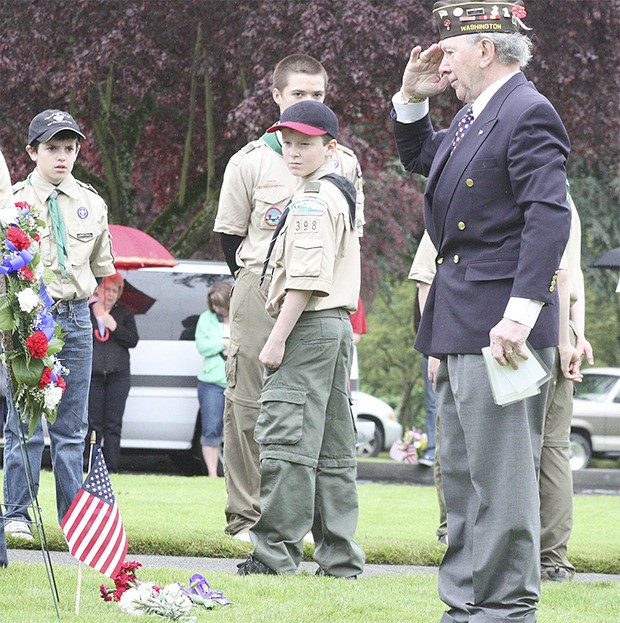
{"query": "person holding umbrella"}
(114, 333)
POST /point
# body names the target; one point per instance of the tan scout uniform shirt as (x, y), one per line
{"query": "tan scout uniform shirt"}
(6, 193)
(256, 188)
(317, 249)
(423, 268)
(89, 247)
(571, 259)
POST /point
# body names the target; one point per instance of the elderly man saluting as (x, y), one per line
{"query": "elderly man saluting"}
(496, 211)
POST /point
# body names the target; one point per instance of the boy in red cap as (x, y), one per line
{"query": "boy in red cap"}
(305, 426)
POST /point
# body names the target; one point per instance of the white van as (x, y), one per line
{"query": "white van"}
(162, 411)
(162, 408)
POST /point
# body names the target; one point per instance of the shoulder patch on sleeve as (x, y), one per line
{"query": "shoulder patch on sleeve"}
(312, 187)
(240, 155)
(308, 206)
(248, 148)
(347, 154)
(346, 150)
(87, 186)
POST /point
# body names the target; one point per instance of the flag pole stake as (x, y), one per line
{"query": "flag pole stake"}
(78, 593)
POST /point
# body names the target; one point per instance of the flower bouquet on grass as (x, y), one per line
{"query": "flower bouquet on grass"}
(408, 449)
(32, 339)
(173, 601)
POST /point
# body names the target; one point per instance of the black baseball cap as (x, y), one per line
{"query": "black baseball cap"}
(308, 117)
(48, 123)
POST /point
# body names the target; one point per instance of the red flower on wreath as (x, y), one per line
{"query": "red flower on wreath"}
(46, 378)
(519, 11)
(105, 595)
(123, 580)
(60, 382)
(37, 344)
(27, 273)
(18, 237)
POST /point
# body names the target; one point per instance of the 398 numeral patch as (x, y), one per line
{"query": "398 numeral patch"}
(306, 225)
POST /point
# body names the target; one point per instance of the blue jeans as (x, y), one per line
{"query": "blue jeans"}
(431, 412)
(66, 433)
(211, 399)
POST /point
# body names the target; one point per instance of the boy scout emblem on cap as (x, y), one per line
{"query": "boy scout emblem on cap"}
(308, 207)
(469, 18)
(82, 213)
(272, 217)
(48, 123)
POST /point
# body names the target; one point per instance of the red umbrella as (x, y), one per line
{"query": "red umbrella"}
(134, 248)
(135, 299)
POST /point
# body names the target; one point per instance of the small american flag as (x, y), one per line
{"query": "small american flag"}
(93, 526)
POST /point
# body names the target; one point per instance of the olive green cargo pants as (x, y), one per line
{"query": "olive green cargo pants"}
(308, 461)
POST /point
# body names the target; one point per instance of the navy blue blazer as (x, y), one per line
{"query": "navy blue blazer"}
(497, 213)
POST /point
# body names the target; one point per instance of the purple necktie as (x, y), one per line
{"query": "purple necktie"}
(462, 127)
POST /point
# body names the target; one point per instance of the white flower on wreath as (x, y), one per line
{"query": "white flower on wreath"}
(51, 397)
(171, 593)
(28, 300)
(8, 215)
(128, 602)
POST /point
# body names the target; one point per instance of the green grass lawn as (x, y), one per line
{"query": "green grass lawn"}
(184, 516)
(25, 598)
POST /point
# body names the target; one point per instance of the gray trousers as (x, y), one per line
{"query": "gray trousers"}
(490, 457)
(308, 461)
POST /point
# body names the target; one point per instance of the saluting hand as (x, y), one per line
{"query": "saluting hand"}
(421, 77)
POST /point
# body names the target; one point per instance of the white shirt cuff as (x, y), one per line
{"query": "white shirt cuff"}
(523, 311)
(409, 113)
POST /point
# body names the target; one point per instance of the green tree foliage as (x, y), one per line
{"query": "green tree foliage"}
(168, 90)
(389, 366)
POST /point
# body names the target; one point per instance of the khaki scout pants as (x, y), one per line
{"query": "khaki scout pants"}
(250, 326)
(556, 478)
(308, 460)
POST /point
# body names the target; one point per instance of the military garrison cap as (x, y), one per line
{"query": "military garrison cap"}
(471, 18)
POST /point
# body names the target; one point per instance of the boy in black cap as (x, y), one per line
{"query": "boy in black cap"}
(305, 426)
(76, 247)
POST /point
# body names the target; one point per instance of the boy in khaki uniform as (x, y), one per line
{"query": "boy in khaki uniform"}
(76, 247)
(305, 426)
(256, 188)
